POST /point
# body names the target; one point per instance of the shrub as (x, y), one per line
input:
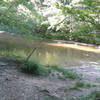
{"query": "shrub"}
(34, 68)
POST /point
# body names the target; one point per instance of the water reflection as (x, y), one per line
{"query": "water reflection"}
(65, 56)
(49, 54)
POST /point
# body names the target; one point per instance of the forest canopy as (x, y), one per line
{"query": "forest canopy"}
(77, 20)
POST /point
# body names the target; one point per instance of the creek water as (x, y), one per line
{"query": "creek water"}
(52, 52)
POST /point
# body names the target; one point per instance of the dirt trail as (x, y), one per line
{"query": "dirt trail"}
(15, 85)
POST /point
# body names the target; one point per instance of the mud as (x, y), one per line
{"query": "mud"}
(15, 85)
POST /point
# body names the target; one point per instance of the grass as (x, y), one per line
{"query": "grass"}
(30, 67)
(51, 98)
(80, 84)
(93, 96)
(66, 73)
(33, 67)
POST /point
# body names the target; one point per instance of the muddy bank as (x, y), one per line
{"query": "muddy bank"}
(15, 85)
(90, 73)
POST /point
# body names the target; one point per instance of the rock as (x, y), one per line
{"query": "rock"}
(3, 64)
(56, 75)
(6, 79)
(46, 91)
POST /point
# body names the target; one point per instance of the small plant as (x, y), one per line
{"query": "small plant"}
(80, 84)
(93, 96)
(51, 98)
(34, 68)
(67, 73)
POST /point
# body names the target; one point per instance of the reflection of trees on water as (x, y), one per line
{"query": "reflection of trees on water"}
(47, 54)
(63, 56)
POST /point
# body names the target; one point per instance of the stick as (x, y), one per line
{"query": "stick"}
(30, 54)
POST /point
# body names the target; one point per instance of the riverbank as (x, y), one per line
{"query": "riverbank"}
(54, 39)
(15, 85)
(77, 57)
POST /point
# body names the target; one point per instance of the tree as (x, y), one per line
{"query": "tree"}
(19, 16)
(85, 17)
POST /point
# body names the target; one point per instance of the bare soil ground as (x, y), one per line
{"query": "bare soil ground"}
(15, 85)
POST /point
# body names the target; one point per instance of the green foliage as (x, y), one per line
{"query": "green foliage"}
(24, 21)
(78, 22)
(83, 20)
(93, 96)
(67, 73)
(57, 35)
(51, 98)
(32, 67)
(80, 84)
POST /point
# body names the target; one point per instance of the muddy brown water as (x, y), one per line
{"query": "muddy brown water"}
(52, 52)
